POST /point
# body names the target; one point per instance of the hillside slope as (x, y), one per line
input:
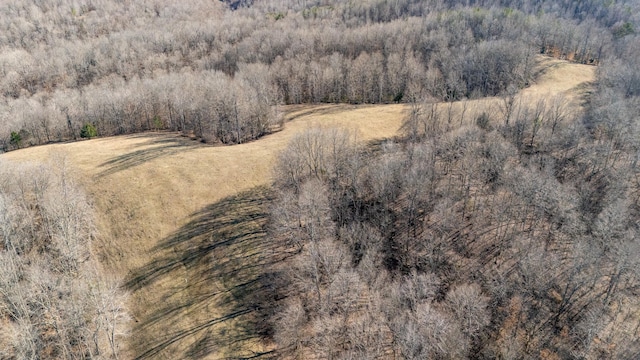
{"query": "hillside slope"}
(166, 202)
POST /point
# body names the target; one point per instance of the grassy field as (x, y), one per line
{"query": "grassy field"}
(182, 223)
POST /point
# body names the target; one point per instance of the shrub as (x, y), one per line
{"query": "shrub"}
(483, 121)
(157, 123)
(16, 139)
(88, 131)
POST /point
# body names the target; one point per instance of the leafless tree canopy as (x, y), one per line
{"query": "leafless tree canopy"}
(54, 300)
(218, 70)
(514, 237)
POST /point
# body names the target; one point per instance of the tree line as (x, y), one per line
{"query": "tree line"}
(219, 74)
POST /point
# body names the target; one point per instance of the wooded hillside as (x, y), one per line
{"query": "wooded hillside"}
(500, 221)
(204, 69)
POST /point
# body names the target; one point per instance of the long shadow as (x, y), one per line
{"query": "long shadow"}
(157, 146)
(218, 272)
(322, 109)
(545, 68)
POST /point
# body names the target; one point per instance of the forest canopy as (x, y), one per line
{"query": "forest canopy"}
(512, 235)
(218, 70)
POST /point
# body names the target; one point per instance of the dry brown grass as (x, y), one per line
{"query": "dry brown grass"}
(154, 190)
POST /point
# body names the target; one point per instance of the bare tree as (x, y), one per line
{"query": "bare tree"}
(470, 307)
(48, 284)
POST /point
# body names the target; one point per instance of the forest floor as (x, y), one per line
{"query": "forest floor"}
(183, 223)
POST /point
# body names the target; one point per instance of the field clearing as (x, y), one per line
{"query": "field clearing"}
(183, 223)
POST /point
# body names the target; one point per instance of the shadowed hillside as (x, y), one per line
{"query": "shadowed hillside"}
(218, 266)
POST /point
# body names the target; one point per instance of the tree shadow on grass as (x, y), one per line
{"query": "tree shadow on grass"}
(319, 110)
(157, 146)
(213, 283)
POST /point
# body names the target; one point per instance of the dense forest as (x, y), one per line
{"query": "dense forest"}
(514, 236)
(74, 69)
